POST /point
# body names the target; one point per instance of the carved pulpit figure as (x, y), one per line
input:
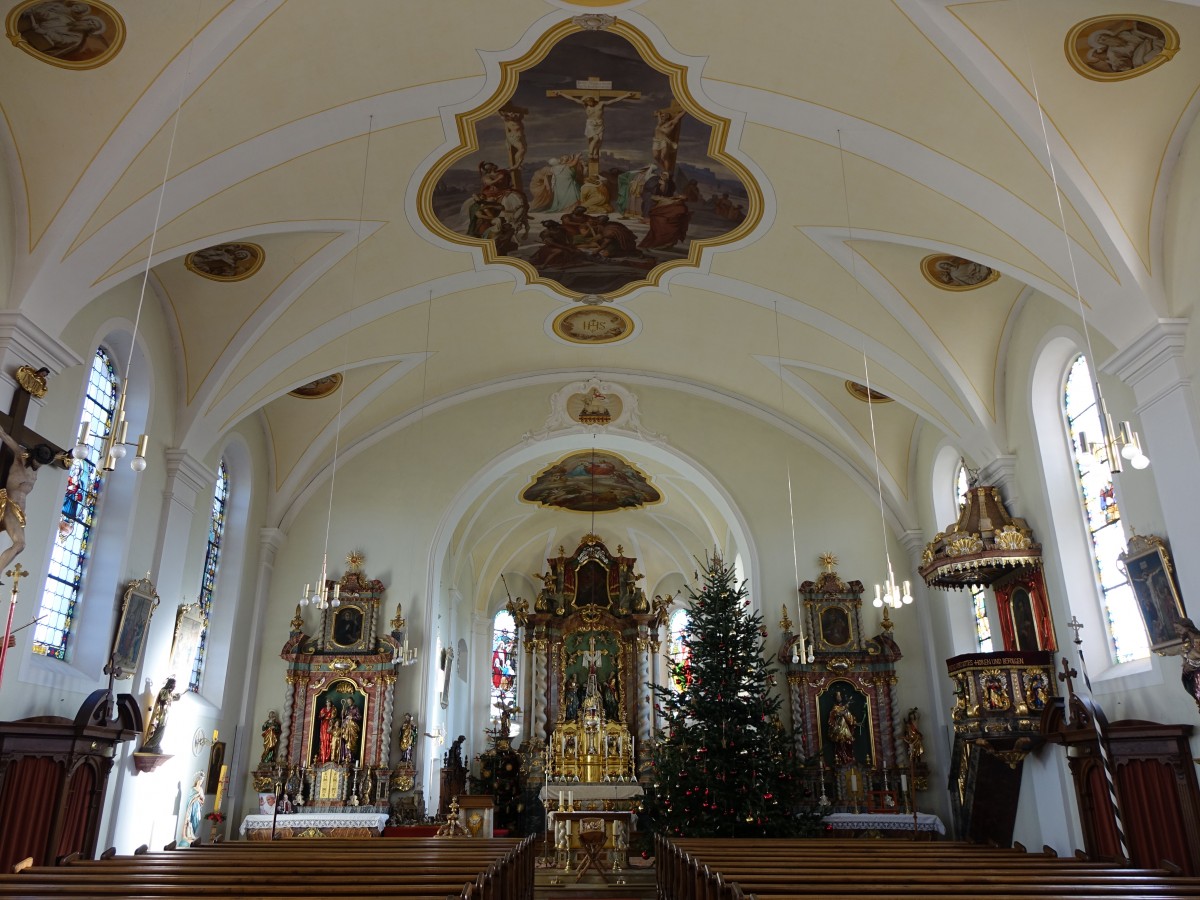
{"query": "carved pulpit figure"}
(158, 718)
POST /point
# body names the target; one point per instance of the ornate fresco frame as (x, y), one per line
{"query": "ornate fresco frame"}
(510, 70)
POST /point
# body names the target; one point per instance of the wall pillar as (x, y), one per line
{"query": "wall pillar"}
(1155, 367)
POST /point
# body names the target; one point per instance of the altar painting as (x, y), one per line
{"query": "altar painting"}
(591, 169)
(592, 481)
(840, 699)
(337, 720)
(585, 652)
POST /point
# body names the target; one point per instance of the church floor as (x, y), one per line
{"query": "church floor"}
(638, 885)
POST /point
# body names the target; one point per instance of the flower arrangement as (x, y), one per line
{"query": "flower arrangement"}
(216, 816)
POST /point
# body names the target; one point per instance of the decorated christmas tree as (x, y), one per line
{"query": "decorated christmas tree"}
(723, 764)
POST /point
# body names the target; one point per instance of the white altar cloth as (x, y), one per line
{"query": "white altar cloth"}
(320, 821)
(884, 822)
(590, 795)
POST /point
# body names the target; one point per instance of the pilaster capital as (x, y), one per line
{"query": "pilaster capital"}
(186, 476)
(913, 541)
(23, 342)
(1001, 473)
(1156, 354)
(270, 540)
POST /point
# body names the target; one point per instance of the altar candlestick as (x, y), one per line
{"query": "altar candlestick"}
(853, 783)
(570, 799)
(904, 781)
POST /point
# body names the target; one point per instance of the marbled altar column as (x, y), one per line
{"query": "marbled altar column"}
(645, 710)
(537, 654)
(384, 745)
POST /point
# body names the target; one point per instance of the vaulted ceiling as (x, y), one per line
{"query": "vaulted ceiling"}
(879, 132)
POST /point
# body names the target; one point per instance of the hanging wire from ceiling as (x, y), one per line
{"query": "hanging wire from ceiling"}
(320, 596)
(1115, 443)
(800, 644)
(889, 594)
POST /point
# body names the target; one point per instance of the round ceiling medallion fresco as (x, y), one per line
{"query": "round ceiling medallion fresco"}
(593, 325)
(322, 387)
(70, 35)
(226, 262)
(953, 273)
(865, 394)
(1113, 48)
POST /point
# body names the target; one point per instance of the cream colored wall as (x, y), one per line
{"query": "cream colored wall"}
(391, 502)
(1046, 812)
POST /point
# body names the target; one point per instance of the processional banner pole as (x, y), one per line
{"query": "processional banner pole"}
(16, 573)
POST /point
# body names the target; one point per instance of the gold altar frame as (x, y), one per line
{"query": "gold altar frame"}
(859, 691)
(322, 692)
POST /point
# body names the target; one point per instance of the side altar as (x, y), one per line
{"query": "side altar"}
(329, 755)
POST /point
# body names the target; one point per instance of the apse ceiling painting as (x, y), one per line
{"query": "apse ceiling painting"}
(592, 481)
(592, 169)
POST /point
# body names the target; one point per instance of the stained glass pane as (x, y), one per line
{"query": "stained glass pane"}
(1127, 634)
(212, 559)
(679, 655)
(505, 656)
(68, 558)
(983, 626)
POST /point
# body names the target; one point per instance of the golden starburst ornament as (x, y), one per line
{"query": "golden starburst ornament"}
(828, 561)
(355, 560)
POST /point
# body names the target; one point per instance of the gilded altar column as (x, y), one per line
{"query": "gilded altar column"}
(645, 711)
(536, 649)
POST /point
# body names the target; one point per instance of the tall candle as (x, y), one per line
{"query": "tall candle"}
(903, 781)
(570, 799)
(560, 806)
(853, 783)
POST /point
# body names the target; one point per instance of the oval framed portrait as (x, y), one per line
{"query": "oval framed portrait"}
(593, 325)
(226, 262)
(1113, 48)
(70, 35)
(954, 273)
(867, 395)
(321, 387)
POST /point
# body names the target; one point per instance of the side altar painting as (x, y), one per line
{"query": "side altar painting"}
(593, 169)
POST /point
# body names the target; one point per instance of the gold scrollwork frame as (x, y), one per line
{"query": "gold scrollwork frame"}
(510, 71)
(1072, 50)
(129, 642)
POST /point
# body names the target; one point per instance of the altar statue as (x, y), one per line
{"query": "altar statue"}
(271, 730)
(842, 725)
(913, 738)
(158, 718)
(351, 731)
(408, 737)
(330, 729)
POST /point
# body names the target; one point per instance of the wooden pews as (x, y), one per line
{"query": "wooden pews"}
(415, 869)
(824, 869)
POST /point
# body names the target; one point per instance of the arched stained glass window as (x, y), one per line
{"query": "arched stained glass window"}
(69, 556)
(505, 653)
(983, 625)
(1127, 634)
(212, 560)
(679, 656)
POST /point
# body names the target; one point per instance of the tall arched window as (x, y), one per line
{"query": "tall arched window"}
(1127, 634)
(679, 657)
(504, 662)
(983, 625)
(70, 553)
(212, 560)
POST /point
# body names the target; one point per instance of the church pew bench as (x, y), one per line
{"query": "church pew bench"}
(480, 870)
(715, 869)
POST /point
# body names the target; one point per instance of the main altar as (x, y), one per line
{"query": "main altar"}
(326, 757)
(590, 638)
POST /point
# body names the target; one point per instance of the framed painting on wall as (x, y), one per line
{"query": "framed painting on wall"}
(1147, 563)
(189, 626)
(137, 606)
